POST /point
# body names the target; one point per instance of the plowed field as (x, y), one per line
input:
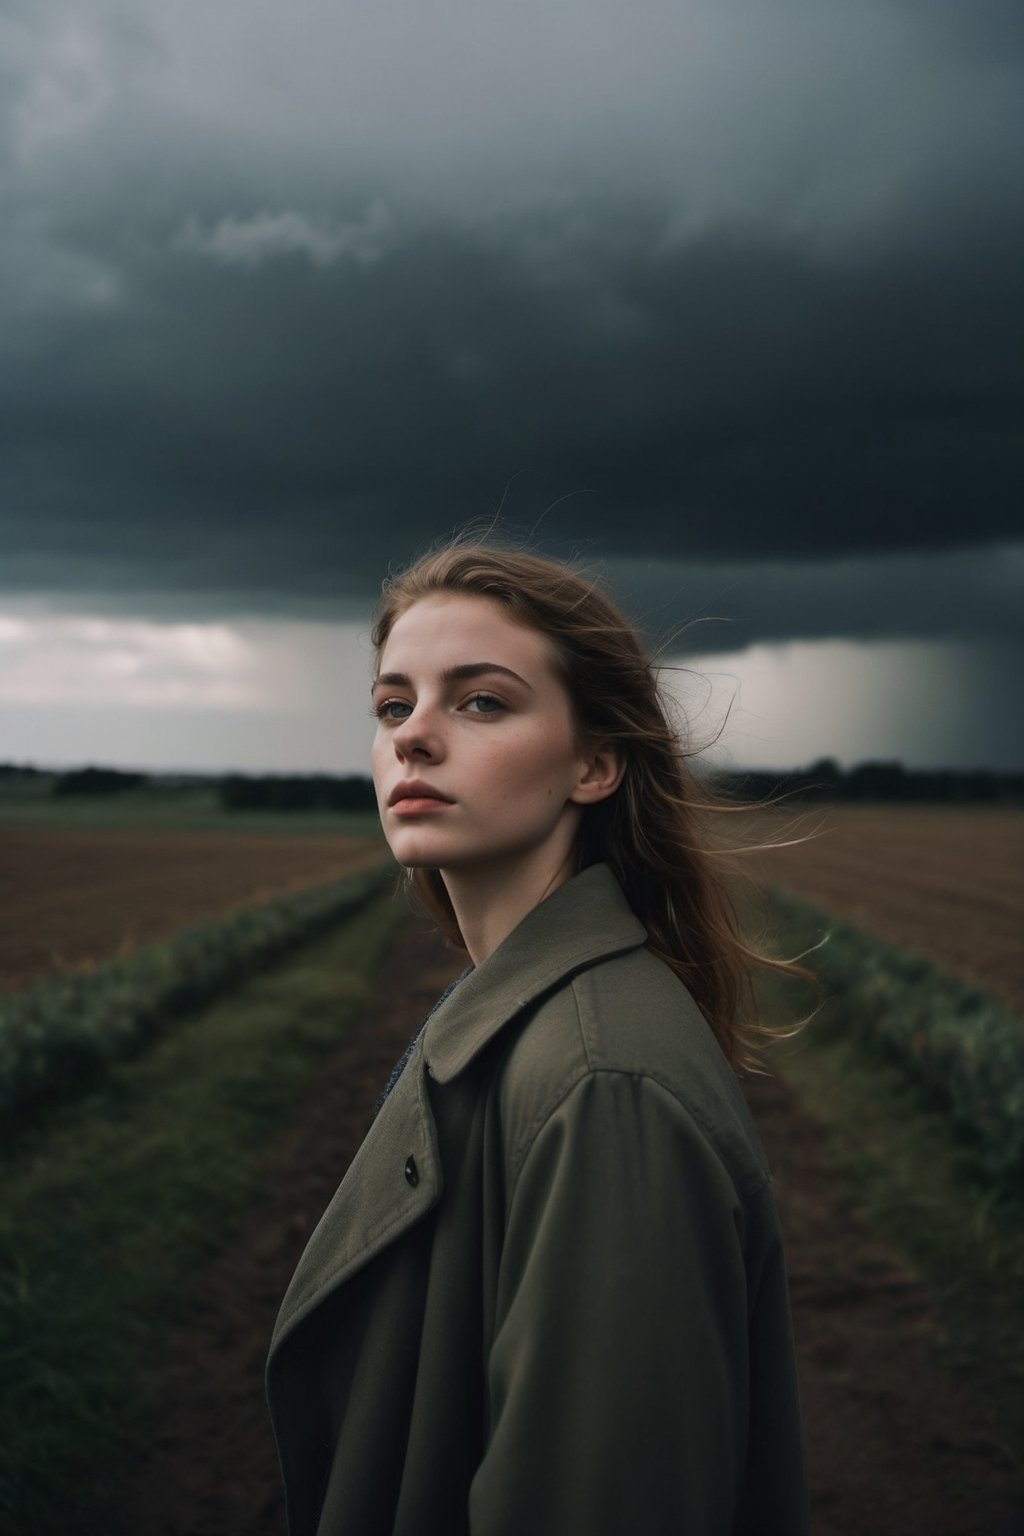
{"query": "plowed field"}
(72, 897)
(946, 884)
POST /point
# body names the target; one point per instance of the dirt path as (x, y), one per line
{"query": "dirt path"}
(894, 1446)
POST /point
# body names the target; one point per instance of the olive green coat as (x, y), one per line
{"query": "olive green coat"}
(549, 1295)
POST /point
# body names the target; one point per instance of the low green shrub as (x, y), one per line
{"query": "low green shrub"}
(56, 1036)
(112, 1206)
(959, 1043)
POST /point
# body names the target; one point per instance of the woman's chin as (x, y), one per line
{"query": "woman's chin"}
(416, 853)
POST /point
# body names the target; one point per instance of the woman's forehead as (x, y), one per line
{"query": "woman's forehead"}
(454, 629)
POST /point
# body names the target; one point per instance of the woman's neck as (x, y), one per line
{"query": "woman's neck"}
(492, 899)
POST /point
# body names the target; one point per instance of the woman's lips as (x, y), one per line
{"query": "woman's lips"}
(419, 805)
(417, 797)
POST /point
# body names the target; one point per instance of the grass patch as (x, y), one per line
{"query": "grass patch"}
(964, 1048)
(106, 1208)
(900, 1159)
(58, 1035)
(30, 802)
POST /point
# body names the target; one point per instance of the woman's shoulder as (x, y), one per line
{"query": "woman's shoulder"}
(630, 1015)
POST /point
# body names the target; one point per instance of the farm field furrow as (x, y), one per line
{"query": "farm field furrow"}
(945, 884)
(931, 850)
(994, 830)
(839, 882)
(872, 846)
(73, 897)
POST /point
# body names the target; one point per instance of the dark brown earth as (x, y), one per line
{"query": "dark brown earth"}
(944, 882)
(895, 1446)
(71, 897)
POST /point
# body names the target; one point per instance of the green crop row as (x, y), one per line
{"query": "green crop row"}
(955, 1040)
(56, 1036)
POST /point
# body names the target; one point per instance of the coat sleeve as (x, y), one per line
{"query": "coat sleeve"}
(617, 1376)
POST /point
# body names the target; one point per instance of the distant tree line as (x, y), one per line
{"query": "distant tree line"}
(96, 781)
(238, 791)
(825, 780)
(297, 792)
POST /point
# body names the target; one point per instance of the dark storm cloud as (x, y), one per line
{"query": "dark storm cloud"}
(289, 294)
(700, 606)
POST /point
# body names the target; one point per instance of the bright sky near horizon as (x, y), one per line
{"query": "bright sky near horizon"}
(294, 696)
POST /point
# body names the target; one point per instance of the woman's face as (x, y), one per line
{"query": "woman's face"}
(475, 759)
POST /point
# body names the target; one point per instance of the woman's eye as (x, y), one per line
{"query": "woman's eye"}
(484, 704)
(391, 709)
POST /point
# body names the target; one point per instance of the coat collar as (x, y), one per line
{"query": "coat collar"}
(583, 921)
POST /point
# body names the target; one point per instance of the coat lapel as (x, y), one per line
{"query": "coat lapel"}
(394, 1180)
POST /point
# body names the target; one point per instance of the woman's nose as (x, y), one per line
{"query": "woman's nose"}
(418, 736)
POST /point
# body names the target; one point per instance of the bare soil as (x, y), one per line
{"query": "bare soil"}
(895, 1445)
(72, 897)
(947, 884)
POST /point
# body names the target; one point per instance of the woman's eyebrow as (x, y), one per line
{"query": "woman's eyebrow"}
(459, 674)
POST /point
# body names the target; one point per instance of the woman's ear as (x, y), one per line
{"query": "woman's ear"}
(603, 767)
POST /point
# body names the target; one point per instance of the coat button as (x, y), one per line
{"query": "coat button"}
(412, 1173)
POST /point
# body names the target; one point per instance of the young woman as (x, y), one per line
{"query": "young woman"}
(549, 1295)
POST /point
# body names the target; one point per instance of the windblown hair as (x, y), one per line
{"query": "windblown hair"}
(654, 830)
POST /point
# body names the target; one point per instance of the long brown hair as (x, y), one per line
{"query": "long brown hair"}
(653, 831)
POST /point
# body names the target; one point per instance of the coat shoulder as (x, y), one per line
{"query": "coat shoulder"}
(631, 1015)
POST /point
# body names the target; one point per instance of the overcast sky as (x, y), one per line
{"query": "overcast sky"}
(727, 297)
